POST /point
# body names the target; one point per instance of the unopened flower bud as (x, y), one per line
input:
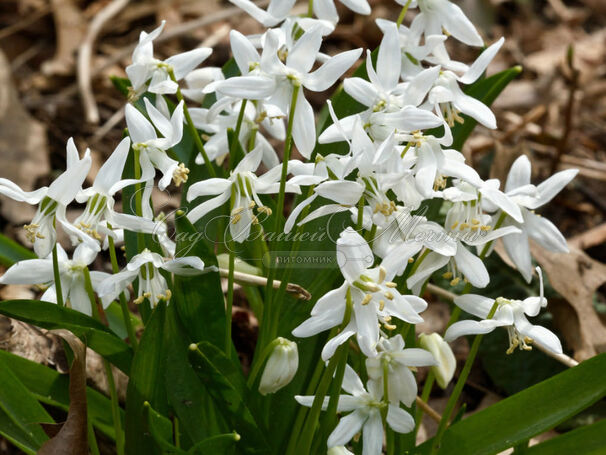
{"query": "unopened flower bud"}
(280, 367)
(444, 370)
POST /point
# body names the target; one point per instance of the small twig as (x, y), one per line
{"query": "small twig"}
(245, 278)
(84, 58)
(431, 412)
(573, 81)
(562, 358)
(107, 126)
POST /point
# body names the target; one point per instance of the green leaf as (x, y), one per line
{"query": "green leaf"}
(227, 386)
(528, 413)
(587, 440)
(11, 252)
(223, 444)
(146, 383)
(51, 316)
(187, 395)
(16, 435)
(22, 409)
(161, 429)
(52, 388)
(199, 300)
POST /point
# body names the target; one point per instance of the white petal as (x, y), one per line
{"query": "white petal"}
(354, 255)
(208, 187)
(303, 54)
(518, 250)
(475, 304)
(389, 58)
(325, 9)
(343, 192)
(519, 174)
(333, 344)
(553, 185)
(199, 211)
(347, 428)
(247, 87)
(399, 420)
(185, 62)
(111, 171)
(304, 126)
(185, 266)
(469, 327)
(471, 267)
(431, 263)
(457, 24)
(501, 200)
(361, 90)
(30, 271)
(244, 52)
(325, 76)
(372, 434)
(139, 128)
(479, 66)
(545, 233)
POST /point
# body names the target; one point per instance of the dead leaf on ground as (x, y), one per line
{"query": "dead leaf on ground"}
(72, 437)
(23, 146)
(576, 277)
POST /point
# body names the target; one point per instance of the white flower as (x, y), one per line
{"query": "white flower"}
(530, 197)
(438, 15)
(40, 271)
(152, 285)
(146, 68)
(279, 10)
(466, 223)
(401, 383)
(510, 314)
(449, 100)
(153, 150)
(444, 370)
(281, 366)
(100, 202)
(365, 407)
(374, 300)
(197, 80)
(52, 202)
(243, 187)
(277, 80)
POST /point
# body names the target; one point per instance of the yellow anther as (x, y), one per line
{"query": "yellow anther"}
(447, 275)
(390, 284)
(388, 295)
(367, 299)
(382, 273)
(410, 260)
(381, 305)
(252, 205)
(463, 226)
(455, 281)
(236, 218)
(475, 221)
(180, 175)
(486, 228)
(454, 225)
(389, 326)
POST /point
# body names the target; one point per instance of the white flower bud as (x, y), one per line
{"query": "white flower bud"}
(444, 370)
(280, 367)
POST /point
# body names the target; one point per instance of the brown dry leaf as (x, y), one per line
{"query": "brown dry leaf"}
(70, 26)
(23, 146)
(72, 437)
(576, 277)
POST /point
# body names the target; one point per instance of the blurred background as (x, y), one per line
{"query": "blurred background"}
(57, 56)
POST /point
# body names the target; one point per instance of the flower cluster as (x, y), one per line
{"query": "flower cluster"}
(398, 157)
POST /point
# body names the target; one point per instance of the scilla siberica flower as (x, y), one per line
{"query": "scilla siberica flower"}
(365, 406)
(446, 363)
(152, 285)
(40, 271)
(374, 299)
(510, 314)
(146, 68)
(52, 202)
(242, 187)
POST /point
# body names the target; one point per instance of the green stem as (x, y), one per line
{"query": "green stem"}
(424, 397)
(402, 14)
(132, 337)
(57, 278)
(360, 220)
(108, 369)
(232, 146)
(312, 418)
(310, 8)
(193, 131)
(452, 401)
(230, 299)
(139, 189)
(92, 439)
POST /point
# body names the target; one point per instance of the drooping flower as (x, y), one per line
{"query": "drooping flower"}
(145, 67)
(243, 187)
(365, 406)
(52, 202)
(510, 314)
(446, 365)
(146, 267)
(374, 300)
(533, 226)
(40, 271)
(395, 362)
(153, 149)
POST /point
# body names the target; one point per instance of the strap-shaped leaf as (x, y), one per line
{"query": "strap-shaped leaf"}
(51, 316)
(11, 252)
(51, 387)
(588, 440)
(528, 413)
(229, 390)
